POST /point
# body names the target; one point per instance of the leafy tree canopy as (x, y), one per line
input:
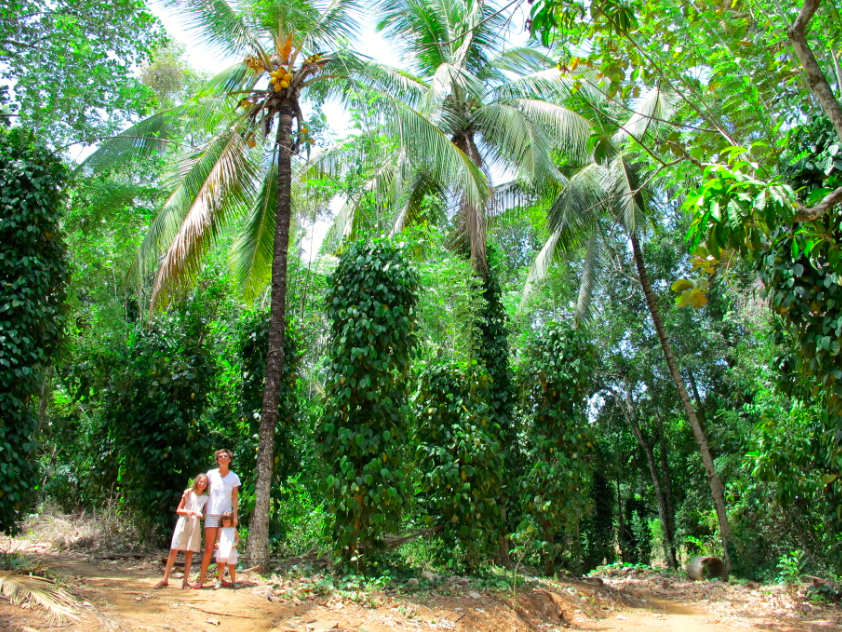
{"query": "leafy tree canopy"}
(66, 67)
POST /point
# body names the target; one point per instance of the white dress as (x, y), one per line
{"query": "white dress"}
(188, 530)
(227, 553)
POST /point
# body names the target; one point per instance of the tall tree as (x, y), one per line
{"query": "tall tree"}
(614, 187)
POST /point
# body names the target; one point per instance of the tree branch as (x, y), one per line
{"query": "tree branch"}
(805, 214)
(815, 77)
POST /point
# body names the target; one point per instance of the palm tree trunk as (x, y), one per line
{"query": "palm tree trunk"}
(258, 542)
(716, 488)
(631, 418)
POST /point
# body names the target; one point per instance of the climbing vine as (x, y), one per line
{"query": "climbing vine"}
(460, 458)
(33, 277)
(371, 306)
(556, 377)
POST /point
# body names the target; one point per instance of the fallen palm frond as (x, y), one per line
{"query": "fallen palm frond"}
(19, 587)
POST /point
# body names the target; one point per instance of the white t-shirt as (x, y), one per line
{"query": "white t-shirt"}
(220, 490)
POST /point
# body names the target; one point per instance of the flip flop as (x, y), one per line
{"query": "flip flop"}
(197, 586)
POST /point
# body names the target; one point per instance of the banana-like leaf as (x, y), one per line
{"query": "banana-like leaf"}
(652, 110)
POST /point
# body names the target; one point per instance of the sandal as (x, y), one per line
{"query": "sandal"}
(219, 585)
(198, 586)
(162, 584)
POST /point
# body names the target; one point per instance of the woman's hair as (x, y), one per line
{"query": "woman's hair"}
(194, 489)
(226, 515)
(224, 451)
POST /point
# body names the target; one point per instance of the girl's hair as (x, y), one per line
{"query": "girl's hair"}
(226, 515)
(196, 483)
(224, 451)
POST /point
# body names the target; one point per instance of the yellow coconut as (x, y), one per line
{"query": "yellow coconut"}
(287, 77)
(284, 84)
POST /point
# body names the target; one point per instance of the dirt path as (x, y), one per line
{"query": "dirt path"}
(118, 596)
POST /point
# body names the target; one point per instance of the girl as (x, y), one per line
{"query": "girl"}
(187, 536)
(227, 540)
(223, 496)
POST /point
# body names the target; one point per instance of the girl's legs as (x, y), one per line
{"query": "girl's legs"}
(170, 561)
(188, 561)
(210, 541)
(232, 574)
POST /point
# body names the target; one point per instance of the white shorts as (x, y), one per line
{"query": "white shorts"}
(212, 521)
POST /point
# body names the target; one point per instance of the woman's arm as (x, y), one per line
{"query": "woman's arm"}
(236, 538)
(235, 500)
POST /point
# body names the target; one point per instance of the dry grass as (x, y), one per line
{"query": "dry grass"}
(105, 530)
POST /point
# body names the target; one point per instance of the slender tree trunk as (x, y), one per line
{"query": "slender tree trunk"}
(665, 472)
(716, 488)
(474, 217)
(621, 535)
(630, 414)
(695, 389)
(258, 541)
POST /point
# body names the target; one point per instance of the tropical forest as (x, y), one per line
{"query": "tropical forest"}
(468, 315)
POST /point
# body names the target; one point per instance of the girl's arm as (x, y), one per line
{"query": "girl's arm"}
(235, 500)
(180, 510)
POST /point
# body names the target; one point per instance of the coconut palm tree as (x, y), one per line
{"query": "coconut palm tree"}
(498, 106)
(615, 188)
(250, 125)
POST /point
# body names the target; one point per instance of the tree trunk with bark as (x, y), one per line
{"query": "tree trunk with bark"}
(258, 542)
(716, 487)
(630, 414)
(665, 472)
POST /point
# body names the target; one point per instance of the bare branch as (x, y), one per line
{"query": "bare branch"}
(805, 214)
(815, 77)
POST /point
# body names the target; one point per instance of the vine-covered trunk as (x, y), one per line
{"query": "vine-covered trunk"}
(631, 418)
(258, 541)
(716, 488)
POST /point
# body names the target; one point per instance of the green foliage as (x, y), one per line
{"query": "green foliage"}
(33, 277)
(459, 457)
(557, 378)
(362, 434)
(153, 408)
(70, 69)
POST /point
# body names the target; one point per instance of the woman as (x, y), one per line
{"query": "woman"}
(223, 486)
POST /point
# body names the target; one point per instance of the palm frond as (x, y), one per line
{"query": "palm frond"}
(251, 255)
(22, 588)
(523, 60)
(514, 141)
(591, 266)
(411, 210)
(539, 268)
(149, 137)
(234, 78)
(449, 80)
(651, 110)
(217, 24)
(226, 189)
(624, 195)
(577, 208)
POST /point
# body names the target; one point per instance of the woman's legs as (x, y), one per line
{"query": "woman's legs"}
(170, 562)
(188, 561)
(210, 542)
